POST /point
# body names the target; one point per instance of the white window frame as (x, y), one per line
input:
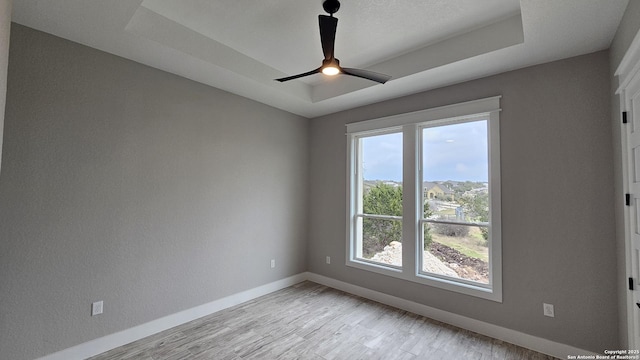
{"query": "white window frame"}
(411, 125)
(359, 215)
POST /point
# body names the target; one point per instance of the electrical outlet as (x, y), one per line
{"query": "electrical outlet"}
(547, 310)
(97, 308)
(273, 263)
(328, 259)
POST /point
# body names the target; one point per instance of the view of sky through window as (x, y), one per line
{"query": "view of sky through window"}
(455, 152)
(382, 157)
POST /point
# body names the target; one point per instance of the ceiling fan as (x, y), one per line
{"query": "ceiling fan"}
(331, 65)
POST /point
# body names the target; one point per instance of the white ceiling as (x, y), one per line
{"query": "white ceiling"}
(240, 46)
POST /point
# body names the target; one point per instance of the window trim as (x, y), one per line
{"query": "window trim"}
(410, 124)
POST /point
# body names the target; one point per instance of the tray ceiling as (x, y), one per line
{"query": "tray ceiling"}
(240, 46)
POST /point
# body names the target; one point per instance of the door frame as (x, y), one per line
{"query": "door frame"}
(628, 72)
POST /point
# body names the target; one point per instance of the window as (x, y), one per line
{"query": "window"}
(379, 204)
(424, 197)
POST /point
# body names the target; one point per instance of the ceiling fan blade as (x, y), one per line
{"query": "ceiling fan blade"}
(328, 25)
(366, 74)
(299, 75)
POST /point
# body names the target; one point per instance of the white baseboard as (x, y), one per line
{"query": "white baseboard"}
(106, 343)
(497, 332)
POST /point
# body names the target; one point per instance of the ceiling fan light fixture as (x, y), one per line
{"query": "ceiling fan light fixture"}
(330, 70)
(331, 67)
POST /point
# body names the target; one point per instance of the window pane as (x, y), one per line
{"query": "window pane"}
(382, 241)
(456, 172)
(381, 174)
(458, 251)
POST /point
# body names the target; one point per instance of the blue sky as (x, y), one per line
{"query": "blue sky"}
(453, 152)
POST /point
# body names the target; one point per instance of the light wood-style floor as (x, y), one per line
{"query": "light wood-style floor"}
(311, 321)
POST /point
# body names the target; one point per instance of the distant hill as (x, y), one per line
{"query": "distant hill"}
(458, 188)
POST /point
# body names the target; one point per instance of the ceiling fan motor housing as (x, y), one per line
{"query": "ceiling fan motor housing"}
(331, 6)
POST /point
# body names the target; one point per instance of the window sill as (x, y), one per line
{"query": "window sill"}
(450, 284)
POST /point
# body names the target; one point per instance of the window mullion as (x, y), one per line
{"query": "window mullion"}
(495, 213)
(410, 202)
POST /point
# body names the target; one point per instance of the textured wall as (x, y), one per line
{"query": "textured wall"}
(130, 185)
(627, 30)
(557, 201)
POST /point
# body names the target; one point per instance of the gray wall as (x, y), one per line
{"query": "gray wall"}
(557, 201)
(130, 185)
(155, 194)
(5, 29)
(627, 30)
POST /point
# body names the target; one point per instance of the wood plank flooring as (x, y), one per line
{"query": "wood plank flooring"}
(311, 321)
